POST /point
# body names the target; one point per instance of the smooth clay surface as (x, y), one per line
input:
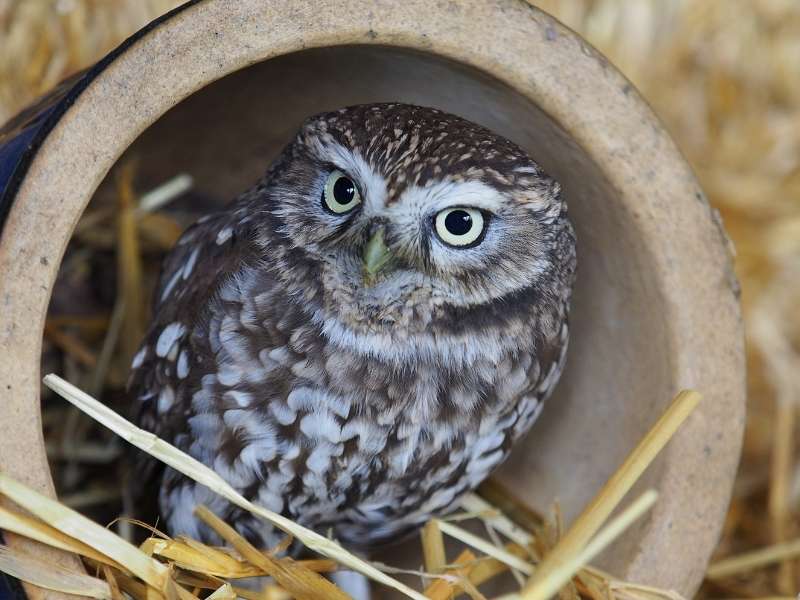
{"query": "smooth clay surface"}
(655, 308)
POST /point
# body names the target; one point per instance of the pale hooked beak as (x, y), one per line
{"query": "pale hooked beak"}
(376, 255)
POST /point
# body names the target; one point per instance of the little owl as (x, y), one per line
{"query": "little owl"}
(360, 339)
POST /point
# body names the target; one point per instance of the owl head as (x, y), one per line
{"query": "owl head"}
(401, 221)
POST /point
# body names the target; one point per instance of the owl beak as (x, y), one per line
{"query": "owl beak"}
(376, 255)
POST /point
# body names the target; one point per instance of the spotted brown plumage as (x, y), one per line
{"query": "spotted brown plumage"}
(362, 337)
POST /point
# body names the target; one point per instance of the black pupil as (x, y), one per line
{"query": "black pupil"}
(344, 191)
(458, 222)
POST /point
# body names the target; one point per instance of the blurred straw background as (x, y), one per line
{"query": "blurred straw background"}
(724, 75)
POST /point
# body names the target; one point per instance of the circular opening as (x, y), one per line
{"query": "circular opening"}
(618, 374)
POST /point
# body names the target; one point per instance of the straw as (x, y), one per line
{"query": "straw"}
(593, 516)
(547, 585)
(77, 526)
(433, 547)
(50, 576)
(742, 563)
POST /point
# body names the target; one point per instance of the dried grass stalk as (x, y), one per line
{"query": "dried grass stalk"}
(41, 532)
(448, 588)
(489, 568)
(116, 592)
(781, 468)
(433, 547)
(504, 500)
(595, 514)
(295, 579)
(224, 592)
(754, 560)
(495, 518)
(158, 197)
(200, 558)
(470, 539)
(130, 289)
(50, 576)
(71, 345)
(77, 526)
(564, 572)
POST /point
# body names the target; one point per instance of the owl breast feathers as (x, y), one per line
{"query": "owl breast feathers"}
(360, 339)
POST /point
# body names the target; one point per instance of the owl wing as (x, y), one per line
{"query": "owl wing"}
(208, 253)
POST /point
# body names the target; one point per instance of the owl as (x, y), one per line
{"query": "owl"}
(359, 339)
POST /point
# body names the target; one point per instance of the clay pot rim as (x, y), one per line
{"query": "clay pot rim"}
(72, 88)
(586, 75)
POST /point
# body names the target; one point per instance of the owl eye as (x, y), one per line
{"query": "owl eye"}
(460, 227)
(340, 194)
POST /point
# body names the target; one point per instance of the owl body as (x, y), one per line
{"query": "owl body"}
(341, 345)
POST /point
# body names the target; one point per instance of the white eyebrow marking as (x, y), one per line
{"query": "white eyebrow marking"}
(434, 197)
(372, 185)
